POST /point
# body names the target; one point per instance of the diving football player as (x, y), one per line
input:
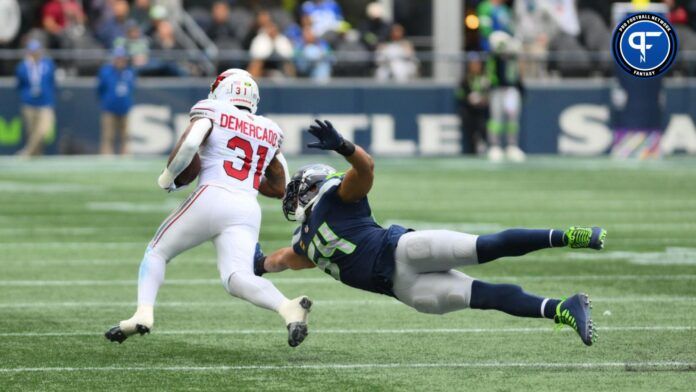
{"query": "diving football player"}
(338, 235)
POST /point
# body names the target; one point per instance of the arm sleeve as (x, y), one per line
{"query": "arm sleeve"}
(284, 163)
(189, 146)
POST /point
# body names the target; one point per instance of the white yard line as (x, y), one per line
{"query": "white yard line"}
(320, 280)
(636, 366)
(492, 331)
(684, 300)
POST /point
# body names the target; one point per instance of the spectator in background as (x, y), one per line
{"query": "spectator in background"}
(116, 83)
(137, 47)
(271, 51)
(532, 29)
(676, 12)
(313, 57)
(565, 38)
(165, 42)
(396, 59)
(36, 85)
(221, 27)
(472, 97)
(58, 16)
(140, 13)
(115, 24)
(360, 59)
(375, 29)
(325, 15)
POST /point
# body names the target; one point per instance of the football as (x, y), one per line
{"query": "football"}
(190, 173)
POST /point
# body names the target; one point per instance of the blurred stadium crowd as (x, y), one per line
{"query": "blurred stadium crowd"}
(318, 39)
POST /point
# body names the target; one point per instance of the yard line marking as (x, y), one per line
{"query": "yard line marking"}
(326, 280)
(667, 328)
(49, 230)
(47, 187)
(627, 366)
(70, 244)
(329, 302)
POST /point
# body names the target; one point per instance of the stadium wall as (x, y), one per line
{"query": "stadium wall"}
(566, 117)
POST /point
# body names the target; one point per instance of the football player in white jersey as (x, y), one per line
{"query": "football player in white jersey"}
(240, 157)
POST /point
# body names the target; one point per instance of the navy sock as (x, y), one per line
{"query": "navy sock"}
(517, 242)
(510, 299)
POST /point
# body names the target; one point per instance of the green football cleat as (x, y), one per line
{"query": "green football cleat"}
(586, 237)
(576, 313)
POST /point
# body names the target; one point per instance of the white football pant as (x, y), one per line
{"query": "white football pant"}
(232, 221)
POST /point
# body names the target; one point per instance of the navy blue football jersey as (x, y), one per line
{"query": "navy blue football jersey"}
(344, 241)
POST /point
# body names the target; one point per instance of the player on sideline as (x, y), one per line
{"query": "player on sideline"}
(338, 234)
(240, 157)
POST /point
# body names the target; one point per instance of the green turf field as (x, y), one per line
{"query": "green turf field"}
(72, 233)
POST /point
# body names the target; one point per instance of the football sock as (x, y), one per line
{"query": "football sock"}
(517, 242)
(259, 291)
(510, 299)
(150, 277)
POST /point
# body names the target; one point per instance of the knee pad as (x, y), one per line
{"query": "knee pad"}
(456, 301)
(418, 248)
(427, 304)
(464, 246)
(229, 283)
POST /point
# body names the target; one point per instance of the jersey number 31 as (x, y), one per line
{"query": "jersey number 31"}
(243, 173)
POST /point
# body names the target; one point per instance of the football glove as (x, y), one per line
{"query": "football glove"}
(259, 259)
(330, 139)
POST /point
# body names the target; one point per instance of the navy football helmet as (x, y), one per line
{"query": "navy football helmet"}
(303, 188)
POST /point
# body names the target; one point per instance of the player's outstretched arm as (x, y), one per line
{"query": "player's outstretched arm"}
(187, 146)
(280, 260)
(273, 181)
(359, 178)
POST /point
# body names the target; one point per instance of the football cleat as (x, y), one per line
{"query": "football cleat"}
(495, 154)
(295, 313)
(140, 323)
(116, 334)
(576, 312)
(514, 154)
(586, 237)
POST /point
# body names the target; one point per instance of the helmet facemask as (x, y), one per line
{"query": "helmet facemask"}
(302, 190)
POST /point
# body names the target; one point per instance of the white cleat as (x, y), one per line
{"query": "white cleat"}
(514, 154)
(140, 323)
(295, 312)
(495, 154)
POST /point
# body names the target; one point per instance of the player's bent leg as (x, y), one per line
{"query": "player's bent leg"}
(433, 292)
(436, 250)
(235, 248)
(185, 228)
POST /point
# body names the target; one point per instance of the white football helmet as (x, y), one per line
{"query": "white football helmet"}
(238, 87)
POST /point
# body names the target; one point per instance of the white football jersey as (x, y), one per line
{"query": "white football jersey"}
(238, 149)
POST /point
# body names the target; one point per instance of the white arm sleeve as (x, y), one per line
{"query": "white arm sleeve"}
(187, 150)
(284, 163)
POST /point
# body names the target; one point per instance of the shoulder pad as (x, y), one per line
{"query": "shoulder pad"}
(205, 108)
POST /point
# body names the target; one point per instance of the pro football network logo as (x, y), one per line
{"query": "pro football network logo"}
(644, 45)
